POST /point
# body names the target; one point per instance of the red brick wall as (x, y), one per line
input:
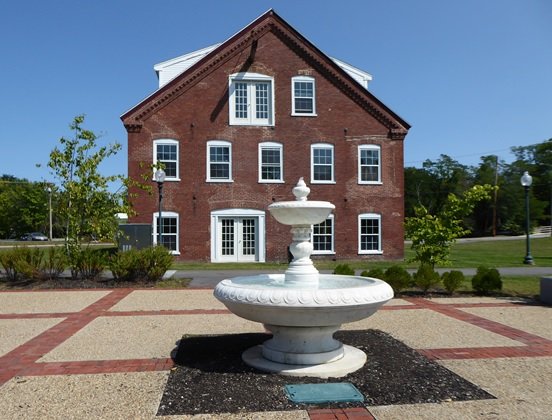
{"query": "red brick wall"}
(201, 114)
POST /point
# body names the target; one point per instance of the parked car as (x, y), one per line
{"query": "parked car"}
(34, 236)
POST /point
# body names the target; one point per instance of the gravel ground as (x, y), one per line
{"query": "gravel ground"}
(210, 377)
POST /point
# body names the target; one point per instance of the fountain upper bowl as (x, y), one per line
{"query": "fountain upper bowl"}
(293, 212)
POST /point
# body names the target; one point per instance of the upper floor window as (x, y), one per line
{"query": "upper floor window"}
(270, 162)
(369, 164)
(219, 161)
(165, 151)
(322, 237)
(303, 96)
(369, 233)
(322, 163)
(251, 99)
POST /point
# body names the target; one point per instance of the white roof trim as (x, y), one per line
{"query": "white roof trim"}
(168, 70)
(359, 75)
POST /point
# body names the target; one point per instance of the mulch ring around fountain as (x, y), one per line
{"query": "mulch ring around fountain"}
(210, 377)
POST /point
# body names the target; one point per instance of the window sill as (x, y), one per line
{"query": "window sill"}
(216, 181)
(254, 124)
(323, 253)
(370, 183)
(294, 114)
(322, 182)
(263, 181)
(370, 252)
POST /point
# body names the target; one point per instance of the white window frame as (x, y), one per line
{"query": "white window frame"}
(322, 146)
(360, 166)
(280, 148)
(167, 214)
(332, 250)
(303, 79)
(219, 143)
(369, 216)
(170, 142)
(251, 79)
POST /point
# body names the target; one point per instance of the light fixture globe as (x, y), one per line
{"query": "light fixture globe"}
(159, 176)
(526, 179)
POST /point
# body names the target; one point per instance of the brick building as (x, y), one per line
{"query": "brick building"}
(238, 123)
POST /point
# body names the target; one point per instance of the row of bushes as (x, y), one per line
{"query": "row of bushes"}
(485, 281)
(148, 264)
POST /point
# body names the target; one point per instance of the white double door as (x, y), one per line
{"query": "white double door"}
(238, 239)
(238, 235)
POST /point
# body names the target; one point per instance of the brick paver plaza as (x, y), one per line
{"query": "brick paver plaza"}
(107, 353)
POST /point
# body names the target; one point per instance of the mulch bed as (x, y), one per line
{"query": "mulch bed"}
(210, 377)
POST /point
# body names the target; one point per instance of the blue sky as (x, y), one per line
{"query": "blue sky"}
(471, 77)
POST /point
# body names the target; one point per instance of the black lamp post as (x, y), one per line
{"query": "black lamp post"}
(526, 181)
(159, 177)
(49, 189)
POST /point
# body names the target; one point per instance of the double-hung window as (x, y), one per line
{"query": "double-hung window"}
(323, 237)
(303, 96)
(369, 164)
(219, 161)
(251, 99)
(169, 230)
(270, 162)
(369, 233)
(165, 151)
(322, 163)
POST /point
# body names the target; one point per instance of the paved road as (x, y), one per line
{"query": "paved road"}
(210, 278)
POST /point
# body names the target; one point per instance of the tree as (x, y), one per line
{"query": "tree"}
(86, 204)
(23, 206)
(432, 235)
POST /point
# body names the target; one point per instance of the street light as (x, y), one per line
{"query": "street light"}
(49, 189)
(526, 181)
(159, 177)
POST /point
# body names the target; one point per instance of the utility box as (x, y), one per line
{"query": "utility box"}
(135, 235)
(546, 290)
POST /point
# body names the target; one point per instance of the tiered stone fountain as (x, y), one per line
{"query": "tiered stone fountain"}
(303, 308)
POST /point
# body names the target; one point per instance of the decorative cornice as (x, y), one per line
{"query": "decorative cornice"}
(270, 22)
(336, 76)
(207, 65)
(133, 128)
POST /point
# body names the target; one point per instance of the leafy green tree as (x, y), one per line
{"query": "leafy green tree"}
(23, 206)
(432, 235)
(86, 203)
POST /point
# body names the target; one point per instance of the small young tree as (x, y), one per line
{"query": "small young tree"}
(432, 235)
(87, 205)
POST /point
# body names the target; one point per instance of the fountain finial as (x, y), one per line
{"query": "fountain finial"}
(300, 191)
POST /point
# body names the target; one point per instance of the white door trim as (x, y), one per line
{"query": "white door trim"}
(259, 215)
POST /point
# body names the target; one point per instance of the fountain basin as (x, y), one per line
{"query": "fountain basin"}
(335, 300)
(303, 319)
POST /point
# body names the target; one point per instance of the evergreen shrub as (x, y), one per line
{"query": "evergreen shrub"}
(486, 280)
(344, 269)
(398, 278)
(426, 278)
(452, 280)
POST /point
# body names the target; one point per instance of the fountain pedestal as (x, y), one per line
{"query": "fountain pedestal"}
(302, 308)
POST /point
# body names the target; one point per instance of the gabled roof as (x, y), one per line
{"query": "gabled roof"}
(211, 58)
(169, 69)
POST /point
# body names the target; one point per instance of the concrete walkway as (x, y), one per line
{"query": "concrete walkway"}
(107, 353)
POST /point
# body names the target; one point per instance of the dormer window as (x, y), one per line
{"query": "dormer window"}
(251, 99)
(303, 100)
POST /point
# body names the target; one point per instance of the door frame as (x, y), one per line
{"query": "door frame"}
(259, 215)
